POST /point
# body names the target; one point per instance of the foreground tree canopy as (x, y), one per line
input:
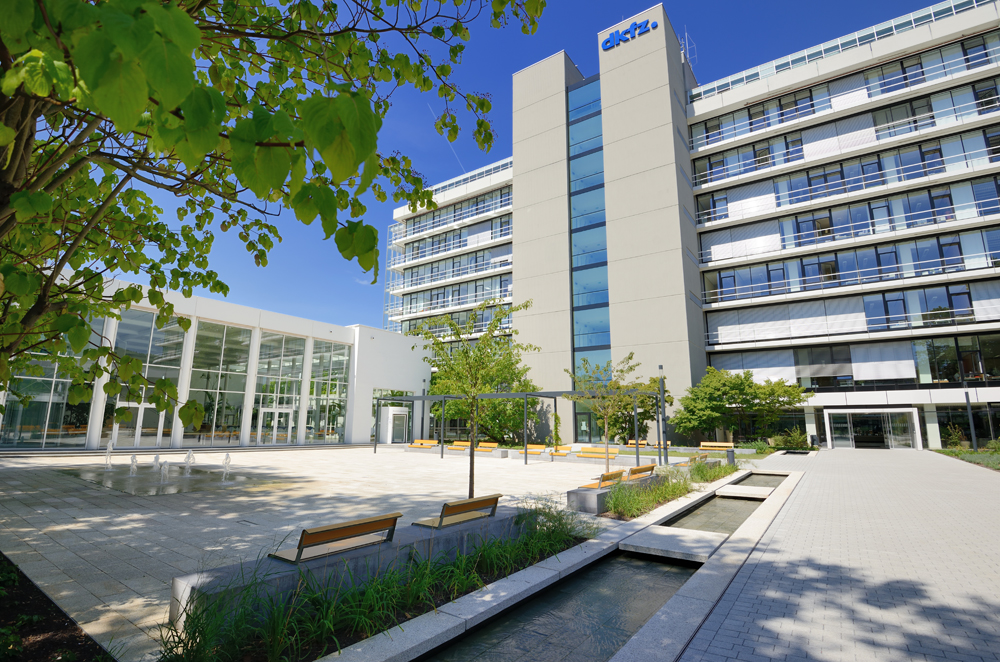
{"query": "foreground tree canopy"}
(240, 109)
(732, 400)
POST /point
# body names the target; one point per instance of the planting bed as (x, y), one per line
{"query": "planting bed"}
(34, 629)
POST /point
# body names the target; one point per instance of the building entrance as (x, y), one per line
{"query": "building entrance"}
(275, 426)
(872, 429)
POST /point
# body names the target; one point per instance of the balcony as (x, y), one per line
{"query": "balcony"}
(447, 248)
(440, 304)
(400, 231)
(399, 282)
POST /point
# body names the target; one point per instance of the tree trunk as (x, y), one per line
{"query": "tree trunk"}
(472, 449)
(607, 451)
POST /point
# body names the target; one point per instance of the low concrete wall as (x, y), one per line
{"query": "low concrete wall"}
(346, 569)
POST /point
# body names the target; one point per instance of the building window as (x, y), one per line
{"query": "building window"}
(219, 382)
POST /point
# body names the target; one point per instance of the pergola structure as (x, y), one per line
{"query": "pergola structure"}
(661, 451)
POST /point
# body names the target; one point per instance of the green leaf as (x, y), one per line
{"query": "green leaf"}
(169, 71)
(175, 24)
(78, 337)
(92, 57)
(17, 284)
(122, 94)
(17, 18)
(7, 135)
(373, 166)
(344, 130)
(272, 165)
(192, 413)
(64, 323)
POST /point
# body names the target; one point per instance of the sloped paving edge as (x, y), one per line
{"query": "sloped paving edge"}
(667, 634)
(424, 633)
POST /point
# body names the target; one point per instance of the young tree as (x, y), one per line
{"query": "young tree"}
(729, 400)
(481, 356)
(623, 423)
(608, 392)
(238, 109)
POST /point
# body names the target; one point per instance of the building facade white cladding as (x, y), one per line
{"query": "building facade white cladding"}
(830, 218)
(263, 378)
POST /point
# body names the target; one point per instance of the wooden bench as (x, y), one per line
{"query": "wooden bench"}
(561, 451)
(609, 478)
(423, 443)
(534, 449)
(598, 452)
(460, 446)
(487, 446)
(694, 460)
(632, 444)
(466, 510)
(644, 471)
(715, 446)
(326, 540)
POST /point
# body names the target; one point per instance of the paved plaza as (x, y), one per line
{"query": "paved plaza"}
(877, 555)
(107, 558)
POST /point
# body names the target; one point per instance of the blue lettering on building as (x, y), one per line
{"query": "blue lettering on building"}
(621, 36)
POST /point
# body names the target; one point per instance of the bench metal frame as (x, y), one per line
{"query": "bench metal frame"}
(466, 510)
(326, 535)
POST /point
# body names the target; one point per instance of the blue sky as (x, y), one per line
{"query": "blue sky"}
(308, 278)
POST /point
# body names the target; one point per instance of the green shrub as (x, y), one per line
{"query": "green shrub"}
(993, 446)
(954, 437)
(628, 501)
(703, 473)
(761, 446)
(792, 438)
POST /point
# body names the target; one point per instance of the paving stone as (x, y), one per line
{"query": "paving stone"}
(674, 543)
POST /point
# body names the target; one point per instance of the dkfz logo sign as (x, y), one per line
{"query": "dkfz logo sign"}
(621, 36)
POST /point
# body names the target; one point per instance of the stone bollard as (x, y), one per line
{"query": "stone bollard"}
(730, 456)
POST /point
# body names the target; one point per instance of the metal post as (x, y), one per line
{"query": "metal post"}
(378, 419)
(972, 423)
(635, 426)
(441, 432)
(659, 435)
(663, 417)
(423, 413)
(525, 429)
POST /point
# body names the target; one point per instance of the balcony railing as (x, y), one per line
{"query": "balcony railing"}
(442, 332)
(398, 282)
(864, 181)
(977, 209)
(449, 247)
(837, 46)
(506, 164)
(827, 103)
(965, 113)
(833, 327)
(442, 302)
(878, 274)
(402, 230)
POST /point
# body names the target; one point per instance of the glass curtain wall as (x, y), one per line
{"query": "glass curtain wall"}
(219, 382)
(327, 411)
(46, 419)
(159, 350)
(279, 383)
(588, 238)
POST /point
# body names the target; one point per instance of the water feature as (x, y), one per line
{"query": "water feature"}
(107, 456)
(762, 480)
(225, 468)
(188, 461)
(167, 479)
(156, 463)
(718, 515)
(133, 468)
(587, 616)
(164, 472)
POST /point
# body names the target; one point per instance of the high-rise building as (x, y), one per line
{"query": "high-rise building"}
(449, 260)
(830, 218)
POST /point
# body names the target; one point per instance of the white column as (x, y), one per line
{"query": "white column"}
(184, 383)
(811, 429)
(933, 429)
(307, 359)
(100, 398)
(251, 391)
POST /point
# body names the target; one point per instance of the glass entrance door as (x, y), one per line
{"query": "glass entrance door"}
(877, 429)
(275, 426)
(398, 429)
(145, 427)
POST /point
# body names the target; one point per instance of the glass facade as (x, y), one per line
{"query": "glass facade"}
(588, 239)
(327, 412)
(219, 382)
(279, 388)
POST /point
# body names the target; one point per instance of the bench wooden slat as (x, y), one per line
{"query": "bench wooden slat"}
(643, 471)
(487, 446)
(456, 512)
(325, 540)
(606, 478)
(715, 446)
